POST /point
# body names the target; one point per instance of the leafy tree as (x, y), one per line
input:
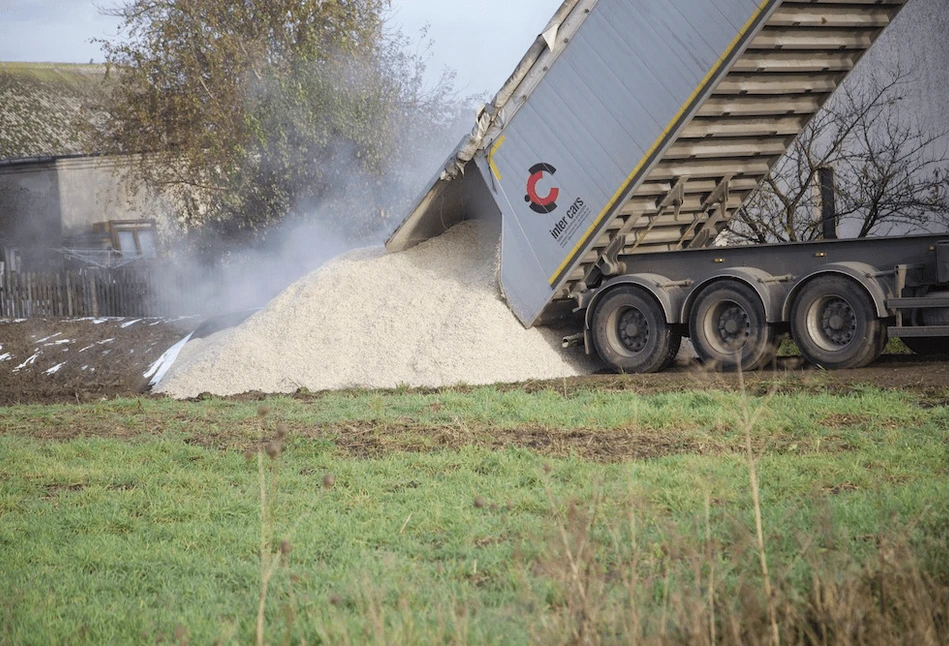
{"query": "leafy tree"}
(892, 176)
(250, 108)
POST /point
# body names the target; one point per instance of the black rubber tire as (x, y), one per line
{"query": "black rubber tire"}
(630, 332)
(835, 325)
(729, 328)
(927, 345)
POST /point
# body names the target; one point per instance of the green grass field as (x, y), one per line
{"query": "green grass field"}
(482, 515)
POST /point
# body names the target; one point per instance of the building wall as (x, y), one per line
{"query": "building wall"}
(29, 212)
(41, 202)
(95, 189)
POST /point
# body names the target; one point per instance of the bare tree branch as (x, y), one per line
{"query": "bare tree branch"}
(892, 175)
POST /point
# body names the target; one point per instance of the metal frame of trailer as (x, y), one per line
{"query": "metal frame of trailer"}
(737, 303)
(623, 144)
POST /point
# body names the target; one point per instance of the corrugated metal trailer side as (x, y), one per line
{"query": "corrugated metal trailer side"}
(637, 126)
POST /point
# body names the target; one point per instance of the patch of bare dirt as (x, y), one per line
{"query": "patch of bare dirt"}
(926, 376)
(78, 360)
(603, 445)
(374, 439)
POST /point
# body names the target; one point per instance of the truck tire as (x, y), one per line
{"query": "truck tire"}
(630, 332)
(729, 328)
(927, 345)
(834, 323)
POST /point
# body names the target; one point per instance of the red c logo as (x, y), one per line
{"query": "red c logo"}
(548, 203)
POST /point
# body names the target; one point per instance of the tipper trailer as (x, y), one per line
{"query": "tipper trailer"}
(623, 144)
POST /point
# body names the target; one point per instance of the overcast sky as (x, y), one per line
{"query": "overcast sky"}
(60, 31)
(482, 40)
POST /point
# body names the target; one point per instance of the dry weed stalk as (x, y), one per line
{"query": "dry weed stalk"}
(889, 602)
(748, 421)
(710, 559)
(579, 569)
(268, 559)
(634, 621)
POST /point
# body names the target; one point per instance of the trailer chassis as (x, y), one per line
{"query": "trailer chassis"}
(838, 299)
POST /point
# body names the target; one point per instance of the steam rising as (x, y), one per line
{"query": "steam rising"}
(354, 216)
(360, 202)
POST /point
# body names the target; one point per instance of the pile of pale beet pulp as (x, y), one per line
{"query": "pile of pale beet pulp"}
(430, 316)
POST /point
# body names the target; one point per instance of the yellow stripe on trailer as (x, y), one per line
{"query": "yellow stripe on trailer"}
(494, 149)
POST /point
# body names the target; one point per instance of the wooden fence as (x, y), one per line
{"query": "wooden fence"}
(98, 292)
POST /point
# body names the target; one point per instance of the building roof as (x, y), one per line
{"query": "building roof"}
(46, 109)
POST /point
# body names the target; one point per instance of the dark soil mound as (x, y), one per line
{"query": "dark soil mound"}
(76, 360)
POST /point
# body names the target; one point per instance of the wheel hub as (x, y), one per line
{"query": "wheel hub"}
(633, 330)
(838, 322)
(734, 327)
